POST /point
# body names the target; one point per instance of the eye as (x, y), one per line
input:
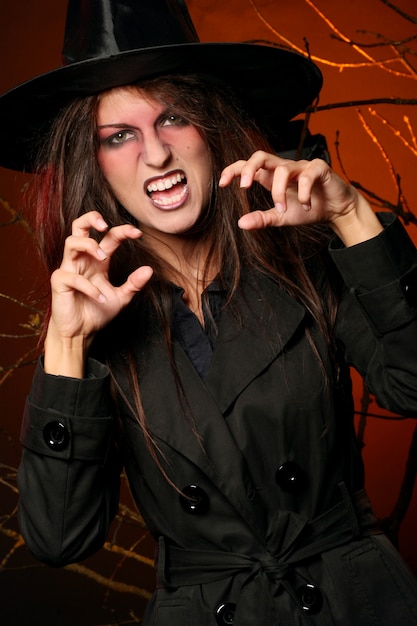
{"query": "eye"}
(119, 138)
(172, 119)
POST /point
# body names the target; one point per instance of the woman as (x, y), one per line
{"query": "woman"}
(208, 301)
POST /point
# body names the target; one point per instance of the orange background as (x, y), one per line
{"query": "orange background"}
(30, 44)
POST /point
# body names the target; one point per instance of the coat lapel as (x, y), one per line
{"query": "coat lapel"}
(269, 318)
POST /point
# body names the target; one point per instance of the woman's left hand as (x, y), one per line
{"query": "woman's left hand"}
(304, 192)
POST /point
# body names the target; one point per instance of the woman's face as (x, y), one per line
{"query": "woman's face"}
(157, 165)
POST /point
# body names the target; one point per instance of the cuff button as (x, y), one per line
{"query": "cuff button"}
(56, 436)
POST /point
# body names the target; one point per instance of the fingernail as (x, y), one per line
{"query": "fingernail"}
(222, 181)
(101, 254)
(280, 207)
(306, 207)
(101, 223)
(102, 298)
(244, 181)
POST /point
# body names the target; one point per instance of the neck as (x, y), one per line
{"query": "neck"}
(186, 259)
(187, 265)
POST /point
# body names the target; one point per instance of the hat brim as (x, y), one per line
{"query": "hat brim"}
(276, 84)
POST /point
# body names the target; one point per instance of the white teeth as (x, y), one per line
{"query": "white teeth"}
(173, 199)
(165, 183)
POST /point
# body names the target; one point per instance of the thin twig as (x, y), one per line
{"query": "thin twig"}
(379, 44)
(359, 103)
(25, 305)
(403, 14)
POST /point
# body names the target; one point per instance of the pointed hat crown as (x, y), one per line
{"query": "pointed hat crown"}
(101, 28)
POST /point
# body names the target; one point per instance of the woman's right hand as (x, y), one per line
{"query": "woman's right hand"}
(83, 299)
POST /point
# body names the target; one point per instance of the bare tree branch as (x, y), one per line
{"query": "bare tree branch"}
(359, 103)
(394, 7)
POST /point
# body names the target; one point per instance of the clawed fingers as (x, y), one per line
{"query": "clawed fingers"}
(99, 289)
(113, 238)
(259, 167)
(65, 282)
(77, 251)
(81, 249)
(276, 174)
(231, 172)
(301, 191)
(82, 226)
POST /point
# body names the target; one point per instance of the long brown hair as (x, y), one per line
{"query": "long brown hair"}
(70, 183)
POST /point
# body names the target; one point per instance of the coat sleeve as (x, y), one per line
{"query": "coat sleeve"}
(377, 319)
(69, 473)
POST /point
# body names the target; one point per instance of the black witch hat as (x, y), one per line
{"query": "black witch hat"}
(109, 43)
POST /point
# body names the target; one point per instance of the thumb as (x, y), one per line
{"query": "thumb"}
(135, 282)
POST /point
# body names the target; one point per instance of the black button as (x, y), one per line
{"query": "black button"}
(310, 598)
(409, 287)
(195, 500)
(290, 477)
(56, 436)
(251, 493)
(225, 613)
(410, 293)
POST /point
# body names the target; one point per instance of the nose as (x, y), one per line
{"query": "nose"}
(155, 151)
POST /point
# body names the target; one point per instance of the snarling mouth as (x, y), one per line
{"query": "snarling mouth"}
(168, 191)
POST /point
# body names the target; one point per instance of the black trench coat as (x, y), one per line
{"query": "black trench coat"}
(273, 526)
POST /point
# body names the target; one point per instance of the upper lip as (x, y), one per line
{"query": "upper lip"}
(165, 181)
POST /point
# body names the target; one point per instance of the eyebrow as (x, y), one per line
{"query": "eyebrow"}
(118, 125)
(122, 125)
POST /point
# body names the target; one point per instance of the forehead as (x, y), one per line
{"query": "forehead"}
(127, 99)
